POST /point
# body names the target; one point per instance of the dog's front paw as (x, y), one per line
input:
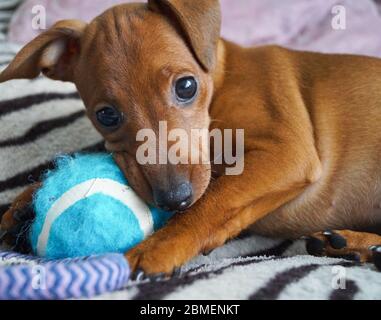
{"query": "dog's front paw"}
(13, 228)
(150, 260)
(161, 254)
(16, 221)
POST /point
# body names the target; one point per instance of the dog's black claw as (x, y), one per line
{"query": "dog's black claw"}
(3, 233)
(335, 240)
(138, 275)
(158, 277)
(375, 248)
(206, 253)
(315, 246)
(16, 230)
(19, 215)
(376, 256)
(351, 257)
(176, 272)
(23, 214)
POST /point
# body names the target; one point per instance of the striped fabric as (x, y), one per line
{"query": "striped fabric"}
(24, 277)
(42, 118)
(38, 120)
(261, 269)
(6, 10)
(37, 124)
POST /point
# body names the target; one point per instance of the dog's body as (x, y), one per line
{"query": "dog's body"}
(311, 121)
(334, 99)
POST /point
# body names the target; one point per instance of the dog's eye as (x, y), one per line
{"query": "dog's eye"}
(186, 89)
(109, 117)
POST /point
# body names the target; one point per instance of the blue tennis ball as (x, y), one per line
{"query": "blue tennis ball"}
(86, 207)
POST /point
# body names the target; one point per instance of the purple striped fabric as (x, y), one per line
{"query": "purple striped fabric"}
(26, 277)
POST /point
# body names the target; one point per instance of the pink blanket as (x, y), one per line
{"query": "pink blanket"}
(298, 24)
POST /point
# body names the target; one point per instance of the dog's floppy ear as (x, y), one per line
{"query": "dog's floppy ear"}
(200, 21)
(54, 53)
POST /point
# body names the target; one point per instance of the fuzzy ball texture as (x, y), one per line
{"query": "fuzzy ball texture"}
(86, 207)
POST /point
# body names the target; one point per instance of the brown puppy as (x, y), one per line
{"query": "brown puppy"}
(311, 121)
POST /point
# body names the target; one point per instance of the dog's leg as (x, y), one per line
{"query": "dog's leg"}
(17, 215)
(359, 246)
(231, 204)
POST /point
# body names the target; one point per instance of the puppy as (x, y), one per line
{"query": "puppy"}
(312, 145)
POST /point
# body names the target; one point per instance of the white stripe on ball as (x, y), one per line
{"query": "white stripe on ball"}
(88, 188)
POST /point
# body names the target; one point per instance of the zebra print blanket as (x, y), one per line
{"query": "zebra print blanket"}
(42, 118)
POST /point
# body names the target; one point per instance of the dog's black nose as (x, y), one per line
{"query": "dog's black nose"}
(176, 198)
